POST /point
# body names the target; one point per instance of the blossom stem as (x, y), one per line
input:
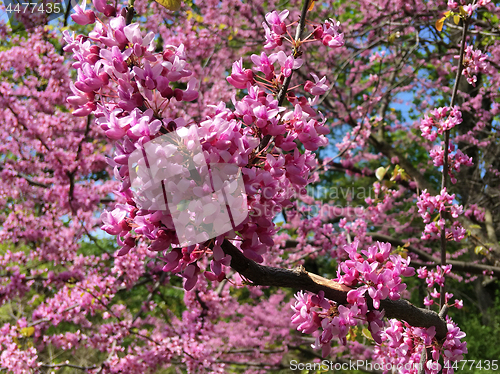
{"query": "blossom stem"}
(130, 12)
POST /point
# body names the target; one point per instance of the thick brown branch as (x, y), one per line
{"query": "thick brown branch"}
(300, 279)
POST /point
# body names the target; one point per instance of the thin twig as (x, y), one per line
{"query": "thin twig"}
(445, 159)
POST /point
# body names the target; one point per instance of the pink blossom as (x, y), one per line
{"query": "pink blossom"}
(319, 87)
(240, 77)
(82, 16)
(276, 21)
(288, 63)
(332, 36)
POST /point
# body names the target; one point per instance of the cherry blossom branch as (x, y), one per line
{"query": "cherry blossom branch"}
(299, 278)
(27, 178)
(286, 83)
(446, 153)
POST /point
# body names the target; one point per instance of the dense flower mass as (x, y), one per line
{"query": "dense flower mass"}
(404, 345)
(118, 61)
(378, 275)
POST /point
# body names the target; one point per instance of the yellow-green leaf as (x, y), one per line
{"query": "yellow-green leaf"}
(170, 4)
(456, 19)
(380, 172)
(367, 334)
(28, 331)
(480, 250)
(440, 23)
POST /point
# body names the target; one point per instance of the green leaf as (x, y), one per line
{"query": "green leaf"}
(170, 4)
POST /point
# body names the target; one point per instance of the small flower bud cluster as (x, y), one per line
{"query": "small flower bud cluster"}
(443, 119)
(427, 205)
(455, 160)
(474, 62)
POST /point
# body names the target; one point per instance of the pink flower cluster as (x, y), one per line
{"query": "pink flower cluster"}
(455, 160)
(443, 119)
(313, 312)
(403, 345)
(378, 271)
(428, 205)
(278, 30)
(474, 62)
(13, 357)
(330, 34)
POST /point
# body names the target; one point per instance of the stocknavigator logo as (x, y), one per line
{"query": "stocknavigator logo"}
(27, 14)
(170, 173)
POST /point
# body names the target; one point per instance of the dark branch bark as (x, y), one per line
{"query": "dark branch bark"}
(261, 275)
